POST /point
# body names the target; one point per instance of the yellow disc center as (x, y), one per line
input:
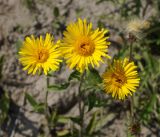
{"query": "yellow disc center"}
(42, 56)
(85, 47)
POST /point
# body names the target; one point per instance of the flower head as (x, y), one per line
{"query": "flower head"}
(121, 79)
(82, 46)
(137, 27)
(38, 54)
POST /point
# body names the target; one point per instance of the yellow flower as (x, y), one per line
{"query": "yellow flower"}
(82, 46)
(121, 79)
(38, 54)
(137, 27)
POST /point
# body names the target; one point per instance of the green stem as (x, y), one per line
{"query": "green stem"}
(130, 51)
(46, 98)
(132, 109)
(132, 98)
(81, 108)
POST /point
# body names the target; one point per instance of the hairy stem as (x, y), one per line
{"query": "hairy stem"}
(81, 106)
(132, 108)
(46, 98)
(132, 98)
(130, 51)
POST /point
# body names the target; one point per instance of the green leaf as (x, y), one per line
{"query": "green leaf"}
(30, 4)
(152, 62)
(4, 107)
(79, 11)
(56, 11)
(91, 125)
(63, 133)
(31, 100)
(1, 65)
(74, 75)
(59, 87)
(91, 101)
(94, 101)
(149, 107)
(38, 107)
(101, 24)
(4, 103)
(103, 121)
(75, 120)
(63, 119)
(92, 79)
(122, 53)
(53, 117)
(18, 44)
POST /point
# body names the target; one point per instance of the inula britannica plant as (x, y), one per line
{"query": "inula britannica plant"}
(83, 48)
(79, 68)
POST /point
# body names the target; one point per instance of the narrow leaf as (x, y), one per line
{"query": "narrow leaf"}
(74, 75)
(92, 78)
(62, 133)
(59, 87)
(31, 100)
(56, 12)
(103, 121)
(91, 125)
